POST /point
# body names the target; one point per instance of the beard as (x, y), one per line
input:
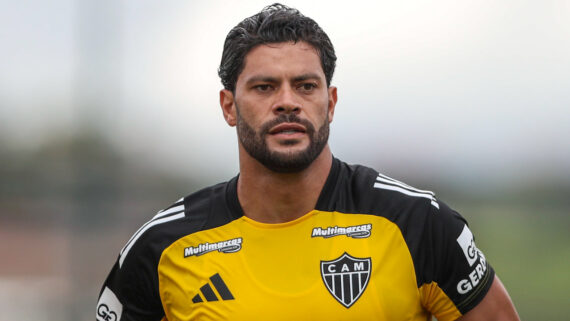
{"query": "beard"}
(255, 144)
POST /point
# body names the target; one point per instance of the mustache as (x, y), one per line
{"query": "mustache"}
(286, 118)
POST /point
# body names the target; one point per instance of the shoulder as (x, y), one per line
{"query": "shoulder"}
(365, 190)
(417, 212)
(413, 209)
(201, 210)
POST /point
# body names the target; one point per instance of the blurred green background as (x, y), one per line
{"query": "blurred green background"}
(108, 113)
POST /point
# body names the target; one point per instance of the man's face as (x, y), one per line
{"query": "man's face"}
(283, 106)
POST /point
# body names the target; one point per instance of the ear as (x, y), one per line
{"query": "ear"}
(332, 102)
(228, 107)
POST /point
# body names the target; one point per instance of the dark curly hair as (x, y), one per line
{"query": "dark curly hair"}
(274, 24)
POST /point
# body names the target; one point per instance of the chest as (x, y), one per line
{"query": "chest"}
(317, 269)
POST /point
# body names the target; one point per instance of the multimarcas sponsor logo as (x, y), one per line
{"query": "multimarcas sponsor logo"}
(356, 231)
(228, 246)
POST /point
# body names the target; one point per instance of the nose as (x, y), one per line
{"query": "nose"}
(287, 101)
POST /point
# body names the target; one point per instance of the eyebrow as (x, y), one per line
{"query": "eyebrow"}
(255, 79)
(309, 76)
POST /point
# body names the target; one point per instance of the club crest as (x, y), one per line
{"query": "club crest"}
(346, 277)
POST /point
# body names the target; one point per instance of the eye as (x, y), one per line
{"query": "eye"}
(307, 87)
(263, 88)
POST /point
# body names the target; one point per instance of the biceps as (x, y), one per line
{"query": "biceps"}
(496, 305)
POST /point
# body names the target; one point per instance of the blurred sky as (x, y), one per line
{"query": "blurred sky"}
(466, 89)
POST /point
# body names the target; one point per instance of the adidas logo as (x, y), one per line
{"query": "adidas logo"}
(209, 294)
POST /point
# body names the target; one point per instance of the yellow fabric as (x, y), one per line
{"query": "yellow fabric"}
(276, 275)
(434, 299)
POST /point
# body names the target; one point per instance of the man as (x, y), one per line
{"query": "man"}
(298, 235)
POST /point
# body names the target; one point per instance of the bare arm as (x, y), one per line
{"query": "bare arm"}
(495, 306)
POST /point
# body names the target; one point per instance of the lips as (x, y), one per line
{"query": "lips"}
(287, 128)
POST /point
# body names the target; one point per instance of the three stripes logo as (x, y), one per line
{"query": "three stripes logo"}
(346, 278)
(385, 182)
(209, 294)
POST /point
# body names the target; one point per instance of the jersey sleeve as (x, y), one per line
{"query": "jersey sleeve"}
(130, 292)
(456, 274)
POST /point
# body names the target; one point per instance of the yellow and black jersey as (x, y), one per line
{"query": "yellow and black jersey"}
(372, 249)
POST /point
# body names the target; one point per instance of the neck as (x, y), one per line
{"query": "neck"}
(271, 197)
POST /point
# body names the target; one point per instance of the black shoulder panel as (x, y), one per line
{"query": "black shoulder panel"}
(202, 210)
(352, 190)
